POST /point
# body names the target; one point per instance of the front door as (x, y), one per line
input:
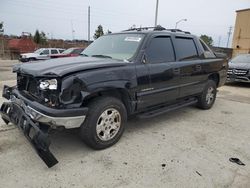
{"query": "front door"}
(163, 86)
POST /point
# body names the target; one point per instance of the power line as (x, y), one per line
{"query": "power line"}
(229, 34)
(219, 41)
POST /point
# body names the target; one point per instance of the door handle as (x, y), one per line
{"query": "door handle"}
(198, 67)
(177, 71)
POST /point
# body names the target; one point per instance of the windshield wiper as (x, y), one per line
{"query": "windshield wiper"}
(103, 56)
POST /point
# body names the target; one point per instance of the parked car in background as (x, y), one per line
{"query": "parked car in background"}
(40, 54)
(239, 69)
(71, 52)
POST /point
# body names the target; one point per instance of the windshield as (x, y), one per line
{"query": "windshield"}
(244, 58)
(38, 51)
(68, 51)
(117, 46)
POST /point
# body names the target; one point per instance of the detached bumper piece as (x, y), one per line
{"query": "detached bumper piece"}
(12, 112)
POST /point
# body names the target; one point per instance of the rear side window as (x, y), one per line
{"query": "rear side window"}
(160, 50)
(207, 52)
(54, 52)
(186, 49)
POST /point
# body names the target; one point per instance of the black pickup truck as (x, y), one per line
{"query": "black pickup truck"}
(143, 72)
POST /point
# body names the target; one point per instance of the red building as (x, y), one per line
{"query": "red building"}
(22, 45)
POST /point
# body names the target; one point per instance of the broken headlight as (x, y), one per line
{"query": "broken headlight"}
(48, 84)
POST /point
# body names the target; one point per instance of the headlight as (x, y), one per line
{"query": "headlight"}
(48, 84)
(24, 56)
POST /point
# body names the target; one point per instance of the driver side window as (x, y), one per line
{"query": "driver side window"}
(160, 50)
(45, 52)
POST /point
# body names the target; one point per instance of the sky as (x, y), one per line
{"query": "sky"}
(57, 18)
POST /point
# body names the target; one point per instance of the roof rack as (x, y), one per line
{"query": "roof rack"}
(178, 30)
(157, 28)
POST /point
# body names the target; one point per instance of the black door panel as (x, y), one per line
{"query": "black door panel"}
(163, 85)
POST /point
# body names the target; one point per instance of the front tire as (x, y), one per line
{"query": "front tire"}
(31, 59)
(208, 96)
(104, 124)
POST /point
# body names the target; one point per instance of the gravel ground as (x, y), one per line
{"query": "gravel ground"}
(184, 148)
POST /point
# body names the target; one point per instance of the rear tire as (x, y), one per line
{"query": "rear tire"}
(104, 124)
(208, 96)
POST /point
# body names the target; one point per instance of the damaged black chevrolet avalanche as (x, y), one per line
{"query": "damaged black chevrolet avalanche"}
(143, 72)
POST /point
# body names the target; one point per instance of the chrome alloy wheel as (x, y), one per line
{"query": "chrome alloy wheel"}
(210, 95)
(108, 124)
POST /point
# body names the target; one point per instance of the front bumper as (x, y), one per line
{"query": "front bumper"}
(39, 139)
(67, 118)
(30, 116)
(23, 59)
(234, 78)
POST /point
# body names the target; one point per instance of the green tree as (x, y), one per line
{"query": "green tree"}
(207, 39)
(1, 28)
(98, 32)
(40, 38)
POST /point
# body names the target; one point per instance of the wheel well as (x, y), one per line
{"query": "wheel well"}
(215, 77)
(120, 94)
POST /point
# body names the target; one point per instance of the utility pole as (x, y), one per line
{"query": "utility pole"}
(156, 12)
(229, 34)
(219, 41)
(89, 24)
(72, 30)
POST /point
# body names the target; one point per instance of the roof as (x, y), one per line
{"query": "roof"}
(248, 9)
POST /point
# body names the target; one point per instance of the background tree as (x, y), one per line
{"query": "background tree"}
(207, 39)
(40, 38)
(98, 32)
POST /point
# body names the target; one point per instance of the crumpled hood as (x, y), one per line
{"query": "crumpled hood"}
(239, 65)
(63, 66)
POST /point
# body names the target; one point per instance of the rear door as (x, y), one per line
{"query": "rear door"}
(190, 66)
(163, 85)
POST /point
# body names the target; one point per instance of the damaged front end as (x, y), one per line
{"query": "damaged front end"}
(12, 112)
(37, 105)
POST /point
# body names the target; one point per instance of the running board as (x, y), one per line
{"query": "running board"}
(165, 109)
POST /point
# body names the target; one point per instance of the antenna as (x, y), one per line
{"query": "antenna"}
(72, 30)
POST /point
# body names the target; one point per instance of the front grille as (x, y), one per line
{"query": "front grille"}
(238, 72)
(27, 83)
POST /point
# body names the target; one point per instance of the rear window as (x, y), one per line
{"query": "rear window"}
(77, 51)
(186, 49)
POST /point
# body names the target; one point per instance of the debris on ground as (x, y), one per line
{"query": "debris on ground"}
(237, 161)
(198, 173)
